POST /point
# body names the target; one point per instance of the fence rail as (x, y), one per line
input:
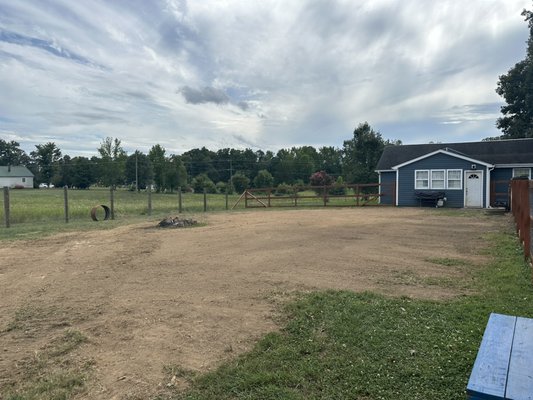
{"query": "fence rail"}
(522, 208)
(314, 196)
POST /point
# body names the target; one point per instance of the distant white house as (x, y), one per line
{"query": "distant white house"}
(17, 176)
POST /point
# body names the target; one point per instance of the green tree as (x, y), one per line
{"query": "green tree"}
(112, 162)
(361, 154)
(240, 182)
(63, 175)
(263, 179)
(283, 166)
(516, 87)
(12, 154)
(201, 182)
(158, 159)
(330, 160)
(138, 167)
(83, 172)
(46, 157)
(176, 173)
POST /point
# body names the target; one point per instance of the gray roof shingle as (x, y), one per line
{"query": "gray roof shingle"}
(514, 151)
(14, 171)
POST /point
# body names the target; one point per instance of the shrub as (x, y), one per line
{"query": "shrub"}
(264, 179)
(283, 189)
(320, 178)
(240, 182)
(202, 181)
(339, 188)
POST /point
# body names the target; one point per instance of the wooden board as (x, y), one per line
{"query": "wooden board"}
(489, 374)
(520, 377)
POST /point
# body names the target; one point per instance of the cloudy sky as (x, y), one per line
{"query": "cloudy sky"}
(263, 74)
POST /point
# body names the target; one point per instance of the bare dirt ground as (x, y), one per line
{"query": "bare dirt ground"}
(149, 300)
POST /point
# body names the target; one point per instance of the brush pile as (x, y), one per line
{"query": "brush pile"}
(177, 222)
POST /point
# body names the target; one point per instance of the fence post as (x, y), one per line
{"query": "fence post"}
(112, 201)
(357, 194)
(150, 199)
(325, 196)
(6, 206)
(530, 216)
(65, 197)
(227, 197)
(205, 199)
(180, 208)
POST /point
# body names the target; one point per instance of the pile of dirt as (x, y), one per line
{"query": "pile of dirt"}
(177, 222)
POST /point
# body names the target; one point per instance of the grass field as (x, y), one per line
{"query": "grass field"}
(37, 212)
(344, 345)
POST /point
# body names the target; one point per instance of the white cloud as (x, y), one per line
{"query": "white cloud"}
(240, 73)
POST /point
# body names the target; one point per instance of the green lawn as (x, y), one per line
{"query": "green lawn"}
(38, 212)
(344, 345)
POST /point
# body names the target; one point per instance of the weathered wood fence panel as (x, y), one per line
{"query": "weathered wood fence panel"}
(522, 207)
(326, 196)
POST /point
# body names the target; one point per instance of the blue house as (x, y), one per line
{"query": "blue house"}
(475, 174)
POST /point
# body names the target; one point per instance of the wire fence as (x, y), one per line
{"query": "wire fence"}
(68, 205)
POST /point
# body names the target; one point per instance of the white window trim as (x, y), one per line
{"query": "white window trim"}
(460, 179)
(529, 176)
(430, 180)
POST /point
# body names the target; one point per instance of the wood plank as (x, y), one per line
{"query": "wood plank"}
(489, 374)
(520, 378)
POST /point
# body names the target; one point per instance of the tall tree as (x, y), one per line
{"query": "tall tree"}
(138, 167)
(176, 173)
(83, 172)
(330, 160)
(516, 87)
(112, 162)
(46, 157)
(361, 154)
(12, 154)
(158, 160)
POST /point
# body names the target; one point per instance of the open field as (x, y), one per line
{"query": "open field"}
(135, 312)
(47, 205)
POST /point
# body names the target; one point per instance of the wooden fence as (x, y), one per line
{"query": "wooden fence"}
(314, 196)
(522, 209)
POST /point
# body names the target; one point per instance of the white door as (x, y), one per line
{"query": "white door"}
(474, 189)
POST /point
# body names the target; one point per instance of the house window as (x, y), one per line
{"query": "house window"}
(437, 179)
(454, 179)
(519, 172)
(23, 180)
(422, 179)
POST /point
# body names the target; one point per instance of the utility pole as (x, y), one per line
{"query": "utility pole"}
(136, 172)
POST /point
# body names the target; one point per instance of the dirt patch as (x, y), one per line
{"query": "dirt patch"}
(149, 301)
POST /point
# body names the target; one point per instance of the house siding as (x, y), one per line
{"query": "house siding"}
(455, 198)
(13, 181)
(387, 188)
(499, 189)
(500, 178)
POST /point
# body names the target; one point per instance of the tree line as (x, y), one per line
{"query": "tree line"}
(200, 168)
